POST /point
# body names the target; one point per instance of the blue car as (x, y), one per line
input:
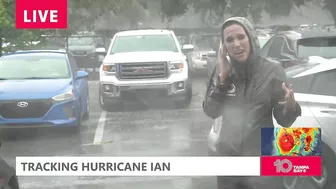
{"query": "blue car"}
(42, 89)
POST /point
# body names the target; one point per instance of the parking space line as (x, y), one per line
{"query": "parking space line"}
(100, 128)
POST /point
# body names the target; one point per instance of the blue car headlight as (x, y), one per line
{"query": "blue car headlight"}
(64, 96)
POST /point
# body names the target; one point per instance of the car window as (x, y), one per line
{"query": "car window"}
(144, 43)
(275, 50)
(262, 41)
(304, 83)
(325, 84)
(265, 49)
(322, 46)
(74, 67)
(286, 49)
(34, 66)
(301, 84)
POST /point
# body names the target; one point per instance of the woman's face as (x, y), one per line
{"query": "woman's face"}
(237, 42)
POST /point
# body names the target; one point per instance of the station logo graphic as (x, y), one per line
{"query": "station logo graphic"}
(291, 152)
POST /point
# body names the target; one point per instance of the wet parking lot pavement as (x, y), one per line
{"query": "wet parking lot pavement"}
(157, 130)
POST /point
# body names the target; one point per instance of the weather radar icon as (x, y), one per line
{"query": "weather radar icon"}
(291, 142)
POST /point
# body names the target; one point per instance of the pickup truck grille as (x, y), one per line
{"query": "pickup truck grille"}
(146, 70)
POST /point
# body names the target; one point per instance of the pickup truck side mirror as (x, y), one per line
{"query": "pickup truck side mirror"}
(187, 48)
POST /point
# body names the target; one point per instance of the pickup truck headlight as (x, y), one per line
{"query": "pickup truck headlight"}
(64, 96)
(109, 68)
(176, 66)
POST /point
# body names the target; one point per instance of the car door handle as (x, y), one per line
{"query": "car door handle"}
(332, 107)
(328, 111)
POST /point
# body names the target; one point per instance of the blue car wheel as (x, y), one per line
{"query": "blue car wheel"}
(87, 111)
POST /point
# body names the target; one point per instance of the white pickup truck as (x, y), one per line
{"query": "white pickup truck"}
(145, 63)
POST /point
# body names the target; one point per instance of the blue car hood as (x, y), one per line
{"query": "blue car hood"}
(32, 89)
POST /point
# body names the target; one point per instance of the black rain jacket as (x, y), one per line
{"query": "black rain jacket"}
(247, 100)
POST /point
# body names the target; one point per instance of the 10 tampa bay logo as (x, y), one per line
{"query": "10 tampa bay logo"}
(286, 166)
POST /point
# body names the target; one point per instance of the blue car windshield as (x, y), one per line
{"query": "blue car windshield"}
(33, 67)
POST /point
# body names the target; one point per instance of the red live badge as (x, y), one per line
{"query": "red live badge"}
(41, 14)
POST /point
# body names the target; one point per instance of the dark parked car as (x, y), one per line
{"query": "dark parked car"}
(292, 48)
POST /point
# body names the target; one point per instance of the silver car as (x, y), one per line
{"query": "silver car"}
(203, 44)
(315, 90)
(8, 179)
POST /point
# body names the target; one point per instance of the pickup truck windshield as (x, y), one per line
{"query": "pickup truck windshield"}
(143, 43)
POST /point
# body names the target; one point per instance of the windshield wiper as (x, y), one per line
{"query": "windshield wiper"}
(3, 79)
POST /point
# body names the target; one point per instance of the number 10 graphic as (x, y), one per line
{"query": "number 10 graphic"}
(279, 164)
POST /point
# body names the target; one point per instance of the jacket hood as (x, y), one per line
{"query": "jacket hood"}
(247, 25)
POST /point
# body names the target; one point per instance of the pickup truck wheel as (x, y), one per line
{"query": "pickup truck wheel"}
(108, 106)
(76, 128)
(186, 102)
(87, 112)
(102, 102)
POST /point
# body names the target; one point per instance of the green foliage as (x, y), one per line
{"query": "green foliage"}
(172, 8)
(85, 12)
(22, 39)
(4, 17)
(279, 8)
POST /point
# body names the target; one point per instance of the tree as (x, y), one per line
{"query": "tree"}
(4, 23)
(331, 6)
(86, 12)
(212, 11)
(17, 39)
(81, 13)
(215, 9)
(172, 8)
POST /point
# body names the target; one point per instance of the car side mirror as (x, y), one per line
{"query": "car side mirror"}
(101, 53)
(82, 74)
(187, 48)
(101, 50)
